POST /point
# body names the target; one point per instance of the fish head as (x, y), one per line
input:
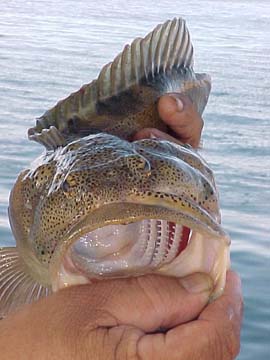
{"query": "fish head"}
(103, 207)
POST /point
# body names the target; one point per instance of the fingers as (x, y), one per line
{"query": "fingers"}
(215, 335)
(178, 112)
(111, 317)
(166, 301)
(228, 311)
(152, 133)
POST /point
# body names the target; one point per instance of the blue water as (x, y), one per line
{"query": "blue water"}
(50, 48)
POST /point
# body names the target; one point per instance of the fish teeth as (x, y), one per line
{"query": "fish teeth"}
(161, 243)
(174, 246)
(137, 248)
(150, 243)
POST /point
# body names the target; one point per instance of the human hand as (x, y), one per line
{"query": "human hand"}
(178, 112)
(148, 317)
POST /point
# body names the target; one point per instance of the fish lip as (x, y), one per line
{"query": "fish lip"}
(125, 212)
(193, 259)
(201, 255)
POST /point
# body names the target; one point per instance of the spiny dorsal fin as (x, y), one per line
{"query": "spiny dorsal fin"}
(168, 46)
(16, 287)
(51, 138)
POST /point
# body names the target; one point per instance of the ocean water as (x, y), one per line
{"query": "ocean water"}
(50, 48)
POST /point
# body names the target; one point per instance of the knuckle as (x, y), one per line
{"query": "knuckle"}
(125, 340)
(215, 342)
(231, 343)
(225, 342)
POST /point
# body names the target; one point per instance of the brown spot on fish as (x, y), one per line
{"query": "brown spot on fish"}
(96, 206)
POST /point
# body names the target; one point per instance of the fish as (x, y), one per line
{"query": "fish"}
(96, 205)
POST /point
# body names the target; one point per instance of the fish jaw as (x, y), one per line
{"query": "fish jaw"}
(206, 251)
(204, 254)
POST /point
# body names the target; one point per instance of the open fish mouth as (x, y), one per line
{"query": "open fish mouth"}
(115, 250)
(136, 246)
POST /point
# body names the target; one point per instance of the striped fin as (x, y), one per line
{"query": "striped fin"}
(166, 48)
(51, 138)
(16, 287)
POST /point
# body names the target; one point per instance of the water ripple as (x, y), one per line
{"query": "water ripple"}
(49, 49)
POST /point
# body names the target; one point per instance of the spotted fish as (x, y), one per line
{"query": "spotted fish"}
(95, 205)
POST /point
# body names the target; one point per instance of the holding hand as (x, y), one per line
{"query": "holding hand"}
(178, 112)
(147, 317)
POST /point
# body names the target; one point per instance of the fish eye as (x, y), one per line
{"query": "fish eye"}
(68, 184)
(65, 186)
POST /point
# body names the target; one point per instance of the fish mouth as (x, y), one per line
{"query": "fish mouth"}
(132, 239)
(123, 250)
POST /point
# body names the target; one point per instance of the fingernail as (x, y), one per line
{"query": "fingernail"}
(156, 134)
(197, 283)
(152, 136)
(179, 103)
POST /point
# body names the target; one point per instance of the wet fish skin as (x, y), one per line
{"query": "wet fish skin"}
(91, 176)
(49, 200)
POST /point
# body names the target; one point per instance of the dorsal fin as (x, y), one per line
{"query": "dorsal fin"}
(167, 47)
(51, 138)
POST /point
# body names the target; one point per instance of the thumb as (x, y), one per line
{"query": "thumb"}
(180, 115)
(148, 302)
